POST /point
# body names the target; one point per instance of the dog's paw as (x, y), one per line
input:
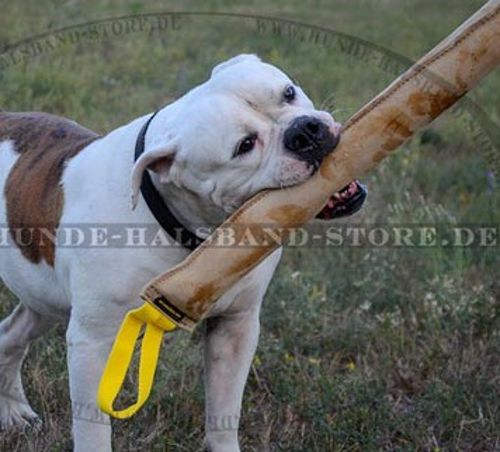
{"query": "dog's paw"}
(219, 447)
(17, 415)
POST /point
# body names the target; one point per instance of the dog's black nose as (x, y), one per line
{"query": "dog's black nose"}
(309, 138)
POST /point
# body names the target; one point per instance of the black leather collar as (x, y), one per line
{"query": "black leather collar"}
(155, 202)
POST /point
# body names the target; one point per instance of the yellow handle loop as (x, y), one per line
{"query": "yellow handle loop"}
(121, 355)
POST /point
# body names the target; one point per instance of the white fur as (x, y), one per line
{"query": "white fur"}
(92, 288)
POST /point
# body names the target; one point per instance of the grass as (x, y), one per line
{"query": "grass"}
(362, 348)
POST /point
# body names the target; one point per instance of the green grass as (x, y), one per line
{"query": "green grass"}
(362, 348)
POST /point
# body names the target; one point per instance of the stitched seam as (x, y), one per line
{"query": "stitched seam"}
(405, 78)
(196, 252)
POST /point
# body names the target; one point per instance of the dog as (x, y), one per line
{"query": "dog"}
(249, 127)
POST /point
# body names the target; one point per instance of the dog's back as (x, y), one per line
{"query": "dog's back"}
(42, 143)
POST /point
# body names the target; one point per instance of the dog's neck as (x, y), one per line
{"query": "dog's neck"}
(194, 213)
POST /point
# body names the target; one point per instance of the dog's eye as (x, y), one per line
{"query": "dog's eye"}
(289, 94)
(245, 145)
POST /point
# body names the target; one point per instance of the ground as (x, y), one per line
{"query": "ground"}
(362, 348)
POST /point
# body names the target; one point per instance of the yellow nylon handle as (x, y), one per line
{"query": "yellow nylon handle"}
(121, 355)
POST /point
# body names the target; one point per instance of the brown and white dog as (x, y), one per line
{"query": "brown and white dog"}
(247, 128)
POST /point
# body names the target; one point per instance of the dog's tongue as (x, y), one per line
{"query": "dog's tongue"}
(345, 202)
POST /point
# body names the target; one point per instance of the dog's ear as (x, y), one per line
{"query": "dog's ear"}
(159, 160)
(249, 57)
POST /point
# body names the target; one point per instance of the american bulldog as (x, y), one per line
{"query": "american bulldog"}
(247, 128)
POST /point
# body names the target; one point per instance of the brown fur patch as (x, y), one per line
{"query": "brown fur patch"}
(33, 190)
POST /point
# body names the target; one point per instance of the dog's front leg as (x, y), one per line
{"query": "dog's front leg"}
(88, 349)
(230, 344)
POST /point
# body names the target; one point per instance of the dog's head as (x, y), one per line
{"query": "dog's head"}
(248, 128)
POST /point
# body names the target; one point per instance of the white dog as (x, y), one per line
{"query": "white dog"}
(247, 128)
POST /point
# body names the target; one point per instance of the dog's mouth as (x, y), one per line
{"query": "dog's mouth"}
(345, 202)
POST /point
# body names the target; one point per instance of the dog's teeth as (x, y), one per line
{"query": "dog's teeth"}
(336, 195)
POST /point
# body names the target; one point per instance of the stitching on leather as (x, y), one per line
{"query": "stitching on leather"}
(405, 78)
(197, 251)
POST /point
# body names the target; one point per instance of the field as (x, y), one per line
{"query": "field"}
(363, 348)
